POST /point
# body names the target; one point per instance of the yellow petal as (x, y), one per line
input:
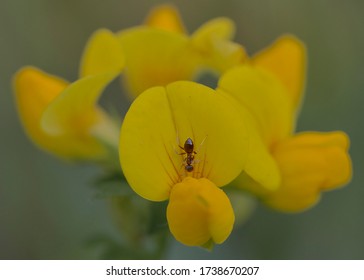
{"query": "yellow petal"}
(161, 119)
(218, 28)
(102, 53)
(213, 41)
(286, 58)
(264, 97)
(310, 163)
(75, 109)
(75, 114)
(165, 17)
(261, 167)
(34, 91)
(261, 172)
(155, 57)
(198, 212)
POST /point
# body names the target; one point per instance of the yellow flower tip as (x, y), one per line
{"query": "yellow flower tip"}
(310, 163)
(218, 28)
(34, 91)
(165, 17)
(286, 58)
(30, 80)
(199, 213)
(213, 42)
(103, 53)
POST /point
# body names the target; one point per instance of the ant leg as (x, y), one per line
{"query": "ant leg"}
(199, 146)
(178, 153)
(177, 140)
(182, 171)
(175, 150)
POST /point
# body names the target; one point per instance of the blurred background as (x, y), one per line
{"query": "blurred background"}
(49, 211)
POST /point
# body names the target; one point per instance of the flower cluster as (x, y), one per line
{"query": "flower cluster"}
(182, 141)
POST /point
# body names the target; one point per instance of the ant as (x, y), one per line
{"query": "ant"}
(188, 149)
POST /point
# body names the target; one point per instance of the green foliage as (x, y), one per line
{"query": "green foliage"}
(142, 224)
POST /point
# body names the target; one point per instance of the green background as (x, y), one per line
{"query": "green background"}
(49, 211)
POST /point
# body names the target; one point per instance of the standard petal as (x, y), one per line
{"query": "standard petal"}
(155, 57)
(161, 120)
(310, 163)
(147, 140)
(286, 58)
(264, 97)
(199, 212)
(102, 53)
(220, 136)
(165, 17)
(213, 42)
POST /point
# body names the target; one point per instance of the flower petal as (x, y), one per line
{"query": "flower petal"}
(34, 91)
(75, 109)
(212, 41)
(74, 113)
(212, 121)
(198, 212)
(165, 17)
(286, 58)
(260, 169)
(102, 53)
(155, 57)
(264, 97)
(147, 134)
(161, 119)
(310, 163)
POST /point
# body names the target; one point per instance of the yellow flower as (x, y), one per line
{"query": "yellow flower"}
(182, 142)
(64, 118)
(160, 52)
(270, 87)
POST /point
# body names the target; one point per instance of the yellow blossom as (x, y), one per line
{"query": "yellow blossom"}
(270, 87)
(157, 165)
(310, 163)
(64, 118)
(160, 52)
(165, 17)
